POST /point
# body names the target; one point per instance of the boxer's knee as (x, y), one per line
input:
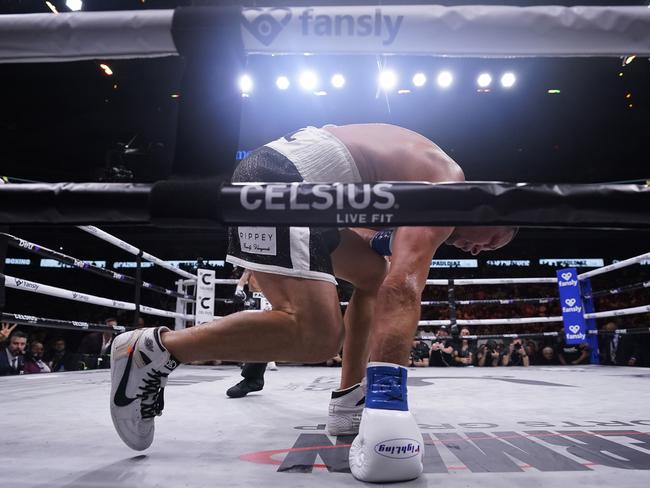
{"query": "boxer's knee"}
(320, 333)
(401, 292)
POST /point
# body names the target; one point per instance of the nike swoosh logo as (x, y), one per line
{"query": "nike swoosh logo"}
(120, 399)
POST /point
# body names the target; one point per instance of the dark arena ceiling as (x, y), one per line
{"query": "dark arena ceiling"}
(564, 120)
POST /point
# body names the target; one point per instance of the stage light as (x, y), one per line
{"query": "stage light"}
(445, 79)
(508, 80)
(107, 69)
(308, 80)
(419, 79)
(387, 80)
(282, 83)
(74, 5)
(484, 80)
(628, 60)
(338, 80)
(245, 84)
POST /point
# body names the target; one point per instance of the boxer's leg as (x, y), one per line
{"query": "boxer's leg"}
(356, 262)
(305, 325)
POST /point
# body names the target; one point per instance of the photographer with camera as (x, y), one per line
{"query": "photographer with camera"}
(464, 352)
(516, 355)
(441, 349)
(488, 354)
(419, 356)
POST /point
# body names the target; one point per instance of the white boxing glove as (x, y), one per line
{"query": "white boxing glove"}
(389, 446)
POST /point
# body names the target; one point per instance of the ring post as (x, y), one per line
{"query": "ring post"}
(138, 288)
(588, 303)
(573, 313)
(451, 296)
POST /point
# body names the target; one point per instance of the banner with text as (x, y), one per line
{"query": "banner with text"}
(205, 296)
(575, 328)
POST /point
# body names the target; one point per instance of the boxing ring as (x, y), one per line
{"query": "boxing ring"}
(497, 426)
(504, 426)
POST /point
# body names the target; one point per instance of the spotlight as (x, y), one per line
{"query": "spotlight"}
(387, 80)
(338, 80)
(484, 80)
(445, 79)
(419, 79)
(282, 83)
(308, 80)
(245, 84)
(508, 80)
(74, 5)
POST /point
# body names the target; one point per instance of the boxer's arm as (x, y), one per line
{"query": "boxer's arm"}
(398, 304)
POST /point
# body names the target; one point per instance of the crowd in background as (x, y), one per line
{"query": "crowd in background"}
(25, 350)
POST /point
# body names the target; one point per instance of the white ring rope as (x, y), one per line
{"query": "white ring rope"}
(32, 286)
(491, 281)
(612, 267)
(469, 30)
(105, 236)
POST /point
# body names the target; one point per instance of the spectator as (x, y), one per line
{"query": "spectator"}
(98, 343)
(11, 357)
(573, 354)
(488, 354)
(419, 354)
(34, 359)
(464, 353)
(618, 350)
(515, 355)
(548, 357)
(59, 359)
(441, 349)
(6, 330)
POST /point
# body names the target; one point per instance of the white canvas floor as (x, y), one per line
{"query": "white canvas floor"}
(507, 427)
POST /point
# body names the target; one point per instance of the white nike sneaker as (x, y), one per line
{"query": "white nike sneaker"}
(346, 407)
(139, 369)
(272, 366)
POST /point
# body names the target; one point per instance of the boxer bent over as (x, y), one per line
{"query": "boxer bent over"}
(296, 268)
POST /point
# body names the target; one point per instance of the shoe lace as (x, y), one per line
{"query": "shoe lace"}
(153, 395)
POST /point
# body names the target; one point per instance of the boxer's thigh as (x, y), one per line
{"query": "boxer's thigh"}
(355, 261)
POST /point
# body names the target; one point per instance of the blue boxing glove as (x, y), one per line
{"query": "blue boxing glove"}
(382, 242)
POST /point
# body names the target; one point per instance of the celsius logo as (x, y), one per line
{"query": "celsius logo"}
(322, 197)
(268, 24)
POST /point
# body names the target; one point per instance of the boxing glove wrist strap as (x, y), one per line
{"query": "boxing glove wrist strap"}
(386, 387)
(382, 242)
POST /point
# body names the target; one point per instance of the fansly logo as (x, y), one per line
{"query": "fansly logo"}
(80, 296)
(571, 306)
(83, 325)
(398, 448)
(267, 24)
(575, 333)
(566, 280)
(25, 284)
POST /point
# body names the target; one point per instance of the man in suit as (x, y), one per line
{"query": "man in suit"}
(98, 343)
(619, 350)
(11, 356)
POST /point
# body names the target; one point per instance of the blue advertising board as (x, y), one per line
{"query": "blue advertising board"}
(575, 327)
